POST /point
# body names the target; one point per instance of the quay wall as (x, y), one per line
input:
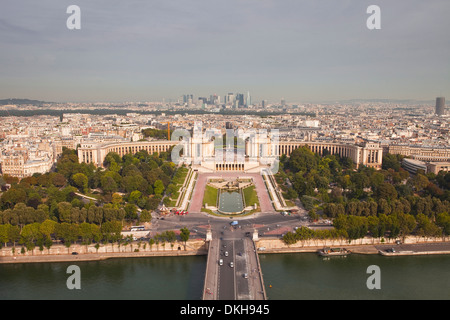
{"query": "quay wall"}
(364, 245)
(60, 252)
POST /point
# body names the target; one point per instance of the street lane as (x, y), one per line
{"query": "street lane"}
(226, 277)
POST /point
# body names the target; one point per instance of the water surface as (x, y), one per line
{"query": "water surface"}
(307, 276)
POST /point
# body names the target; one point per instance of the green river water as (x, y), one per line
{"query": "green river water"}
(301, 276)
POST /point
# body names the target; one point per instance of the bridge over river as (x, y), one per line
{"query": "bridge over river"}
(233, 271)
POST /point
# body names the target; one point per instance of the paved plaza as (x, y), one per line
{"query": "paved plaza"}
(199, 189)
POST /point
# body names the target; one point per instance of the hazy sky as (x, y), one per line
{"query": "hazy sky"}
(302, 50)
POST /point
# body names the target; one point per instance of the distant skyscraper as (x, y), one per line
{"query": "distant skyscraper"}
(440, 106)
(249, 99)
(240, 100)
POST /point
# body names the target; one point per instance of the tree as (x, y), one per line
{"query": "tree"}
(158, 187)
(420, 182)
(131, 211)
(112, 160)
(134, 196)
(88, 232)
(170, 237)
(95, 215)
(145, 216)
(4, 233)
(47, 228)
(67, 232)
(407, 224)
(289, 238)
(391, 161)
(425, 227)
(443, 221)
(373, 224)
(184, 235)
(111, 231)
(108, 184)
(302, 159)
(13, 196)
(386, 191)
(64, 212)
(58, 179)
(68, 164)
(116, 200)
(30, 234)
(80, 181)
(355, 227)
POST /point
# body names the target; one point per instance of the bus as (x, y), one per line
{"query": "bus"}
(137, 228)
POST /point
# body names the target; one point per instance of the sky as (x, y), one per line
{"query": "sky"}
(149, 50)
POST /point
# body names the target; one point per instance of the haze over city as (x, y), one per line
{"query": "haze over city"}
(302, 51)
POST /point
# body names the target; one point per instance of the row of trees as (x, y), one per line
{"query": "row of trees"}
(393, 226)
(22, 215)
(43, 235)
(349, 228)
(415, 205)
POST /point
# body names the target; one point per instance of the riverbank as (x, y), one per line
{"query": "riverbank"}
(59, 253)
(97, 256)
(385, 249)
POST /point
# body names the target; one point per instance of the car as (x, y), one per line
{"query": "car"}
(74, 253)
(226, 253)
(231, 264)
(220, 262)
(245, 275)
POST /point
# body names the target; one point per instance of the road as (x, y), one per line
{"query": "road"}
(267, 223)
(233, 269)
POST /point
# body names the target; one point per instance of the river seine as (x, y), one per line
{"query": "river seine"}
(301, 276)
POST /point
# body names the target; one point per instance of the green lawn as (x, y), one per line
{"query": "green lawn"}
(250, 196)
(210, 196)
(180, 175)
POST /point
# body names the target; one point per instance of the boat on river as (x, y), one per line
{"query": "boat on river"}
(327, 252)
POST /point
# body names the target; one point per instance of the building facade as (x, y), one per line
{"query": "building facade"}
(440, 106)
(421, 153)
(252, 153)
(19, 165)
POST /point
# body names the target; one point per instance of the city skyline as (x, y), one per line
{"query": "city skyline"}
(150, 51)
